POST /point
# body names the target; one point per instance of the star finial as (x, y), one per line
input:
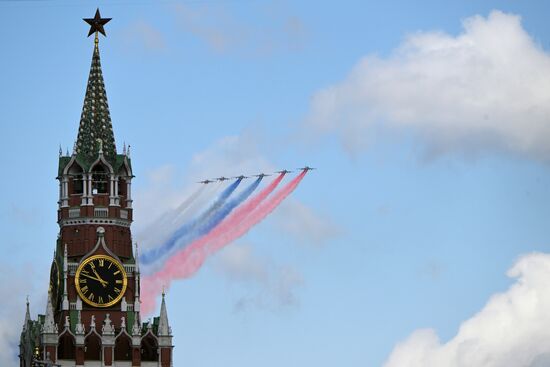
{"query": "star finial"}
(96, 24)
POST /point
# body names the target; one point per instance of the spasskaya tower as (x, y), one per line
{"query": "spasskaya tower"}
(92, 315)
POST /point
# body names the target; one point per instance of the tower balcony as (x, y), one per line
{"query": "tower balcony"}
(87, 212)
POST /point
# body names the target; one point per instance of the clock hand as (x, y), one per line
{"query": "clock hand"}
(103, 283)
(99, 278)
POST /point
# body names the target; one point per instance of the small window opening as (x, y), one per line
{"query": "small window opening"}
(78, 185)
(100, 180)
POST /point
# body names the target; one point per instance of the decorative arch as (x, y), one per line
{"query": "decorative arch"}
(149, 348)
(101, 160)
(72, 162)
(124, 169)
(75, 173)
(66, 346)
(123, 347)
(92, 346)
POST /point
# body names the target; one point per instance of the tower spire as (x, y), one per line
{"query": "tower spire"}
(49, 326)
(27, 316)
(164, 326)
(95, 120)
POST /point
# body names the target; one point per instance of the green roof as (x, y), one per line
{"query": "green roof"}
(117, 163)
(95, 121)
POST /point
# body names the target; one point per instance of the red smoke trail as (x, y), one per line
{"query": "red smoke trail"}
(186, 262)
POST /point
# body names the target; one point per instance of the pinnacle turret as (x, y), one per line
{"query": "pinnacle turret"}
(49, 327)
(164, 327)
(27, 316)
(95, 129)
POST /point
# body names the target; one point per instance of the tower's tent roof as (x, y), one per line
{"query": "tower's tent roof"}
(95, 121)
(117, 163)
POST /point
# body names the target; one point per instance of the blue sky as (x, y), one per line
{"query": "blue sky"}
(428, 122)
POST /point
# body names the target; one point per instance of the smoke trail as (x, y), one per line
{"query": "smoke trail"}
(181, 215)
(152, 255)
(186, 262)
(224, 211)
(164, 223)
(163, 252)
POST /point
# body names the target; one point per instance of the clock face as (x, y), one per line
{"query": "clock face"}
(54, 282)
(100, 281)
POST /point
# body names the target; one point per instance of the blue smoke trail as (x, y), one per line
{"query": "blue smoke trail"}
(206, 226)
(152, 255)
(166, 223)
(219, 215)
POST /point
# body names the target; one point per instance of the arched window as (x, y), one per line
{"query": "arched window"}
(122, 186)
(92, 347)
(66, 347)
(100, 180)
(75, 174)
(149, 348)
(123, 348)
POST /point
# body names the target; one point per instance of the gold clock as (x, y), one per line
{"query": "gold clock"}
(54, 282)
(101, 281)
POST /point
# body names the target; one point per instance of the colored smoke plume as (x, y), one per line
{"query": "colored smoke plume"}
(187, 261)
(189, 228)
(162, 253)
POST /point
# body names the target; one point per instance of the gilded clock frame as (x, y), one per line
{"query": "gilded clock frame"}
(124, 281)
(58, 280)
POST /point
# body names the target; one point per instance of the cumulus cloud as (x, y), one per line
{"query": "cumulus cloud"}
(304, 224)
(485, 88)
(268, 286)
(511, 329)
(223, 32)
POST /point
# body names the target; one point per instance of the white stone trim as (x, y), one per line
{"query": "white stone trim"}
(88, 220)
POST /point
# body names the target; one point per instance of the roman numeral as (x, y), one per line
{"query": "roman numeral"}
(100, 300)
(84, 289)
(117, 291)
(116, 272)
(85, 272)
(82, 280)
(92, 265)
(109, 298)
(101, 262)
(91, 297)
(118, 281)
(110, 264)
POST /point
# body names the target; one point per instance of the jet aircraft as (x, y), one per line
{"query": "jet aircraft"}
(261, 175)
(284, 171)
(307, 168)
(222, 178)
(240, 177)
(206, 182)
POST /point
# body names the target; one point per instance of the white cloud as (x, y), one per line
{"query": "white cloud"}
(486, 88)
(304, 224)
(239, 263)
(267, 286)
(231, 156)
(512, 329)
